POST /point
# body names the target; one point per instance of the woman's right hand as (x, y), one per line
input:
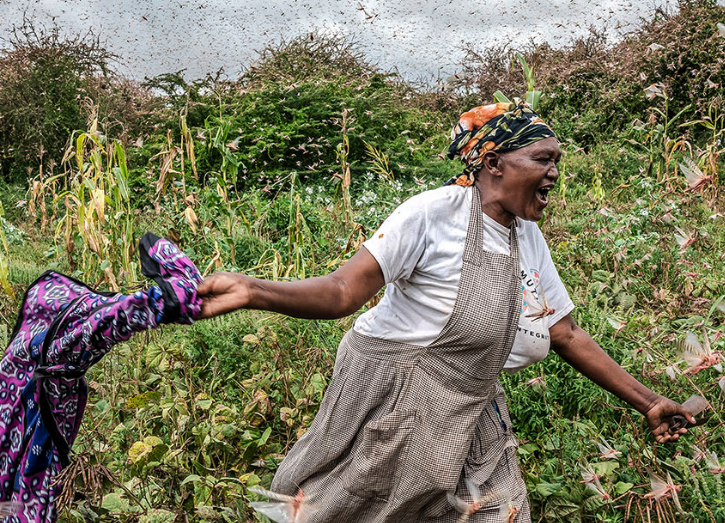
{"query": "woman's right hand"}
(323, 297)
(223, 292)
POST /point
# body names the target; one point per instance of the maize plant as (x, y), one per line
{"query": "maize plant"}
(532, 96)
(343, 152)
(167, 158)
(4, 261)
(187, 144)
(98, 210)
(300, 262)
(714, 122)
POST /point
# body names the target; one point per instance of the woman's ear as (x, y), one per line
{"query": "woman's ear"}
(492, 163)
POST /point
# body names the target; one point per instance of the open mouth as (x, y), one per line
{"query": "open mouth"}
(542, 194)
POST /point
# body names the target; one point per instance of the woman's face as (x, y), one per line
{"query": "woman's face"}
(527, 176)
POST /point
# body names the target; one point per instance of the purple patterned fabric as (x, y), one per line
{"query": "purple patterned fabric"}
(63, 328)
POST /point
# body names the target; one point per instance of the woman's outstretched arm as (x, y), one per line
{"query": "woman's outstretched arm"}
(578, 349)
(335, 295)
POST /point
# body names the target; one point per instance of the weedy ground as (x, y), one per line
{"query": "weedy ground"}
(282, 175)
(186, 418)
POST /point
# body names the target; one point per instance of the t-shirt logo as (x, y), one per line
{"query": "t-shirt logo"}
(528, 282)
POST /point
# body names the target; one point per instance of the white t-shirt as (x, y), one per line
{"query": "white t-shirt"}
(420, 251)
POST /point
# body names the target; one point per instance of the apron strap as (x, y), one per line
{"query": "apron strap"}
(514, 241)
(473, 250)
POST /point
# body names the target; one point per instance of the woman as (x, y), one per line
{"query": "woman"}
(414, 410)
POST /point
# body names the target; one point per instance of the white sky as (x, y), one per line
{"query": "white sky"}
(422, 38)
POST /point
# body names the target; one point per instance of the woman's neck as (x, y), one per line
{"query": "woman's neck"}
(491, 205)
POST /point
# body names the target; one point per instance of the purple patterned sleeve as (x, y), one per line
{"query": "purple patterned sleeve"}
(63, 328)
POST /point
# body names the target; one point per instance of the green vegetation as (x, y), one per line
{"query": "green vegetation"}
(284, 172)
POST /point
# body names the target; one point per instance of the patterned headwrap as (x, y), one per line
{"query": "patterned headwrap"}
(498, 127)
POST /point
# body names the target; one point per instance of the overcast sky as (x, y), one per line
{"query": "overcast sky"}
(423, 39)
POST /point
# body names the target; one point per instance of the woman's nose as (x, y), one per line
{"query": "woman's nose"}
(553, 173)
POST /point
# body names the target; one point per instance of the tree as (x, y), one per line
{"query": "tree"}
(45, 83)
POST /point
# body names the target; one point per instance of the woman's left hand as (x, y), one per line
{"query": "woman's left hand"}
(577, 348)
(659, 414)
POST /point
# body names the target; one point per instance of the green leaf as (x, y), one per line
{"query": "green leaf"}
(605, 467)
(158, 515)
(548, 489)
(532, 98)
(116, 503)
(552, 442)
(499, 97)
(318, 383)
(264, 437)
(191, 478)
(103, 405)
(251, 339)
(621, 487)
(150, 449)
(139, 451)
(203, 401)
(559, 509)
(602, 276)
(121, 181)
(527, 449)
(80, 141)
(143, 400)
(122, 175)
(250, 479)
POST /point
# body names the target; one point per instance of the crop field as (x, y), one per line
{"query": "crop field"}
(283, 173)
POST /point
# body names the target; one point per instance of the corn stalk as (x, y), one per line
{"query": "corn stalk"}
(343, 152)
(187, 144)
(297, 232)
(715, 123)
(166, 171)
(532, 96)
(4, 260)
(98, 209)
(597, 191)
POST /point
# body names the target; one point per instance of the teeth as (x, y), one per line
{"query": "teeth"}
(544, 192)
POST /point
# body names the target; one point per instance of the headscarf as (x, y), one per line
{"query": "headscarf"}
(498, 127)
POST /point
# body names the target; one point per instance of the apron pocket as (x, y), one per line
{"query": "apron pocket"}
(492, 437)
(377, 463)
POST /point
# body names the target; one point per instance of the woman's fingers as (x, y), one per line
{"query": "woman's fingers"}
(208, 310)
(667, 436)
(687, 415)
(659, 418)
(214, 284)
(221, 293)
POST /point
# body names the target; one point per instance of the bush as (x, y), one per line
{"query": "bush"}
(43, 85)
(593, 89)
(49, 85)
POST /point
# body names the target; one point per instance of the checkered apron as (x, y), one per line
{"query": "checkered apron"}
(402, 425)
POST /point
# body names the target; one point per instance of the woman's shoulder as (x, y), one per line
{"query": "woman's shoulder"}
(440, 201)
(527, 228)
(530, 234)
